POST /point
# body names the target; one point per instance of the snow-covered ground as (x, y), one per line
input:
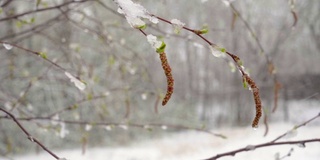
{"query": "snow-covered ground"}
(196, 145)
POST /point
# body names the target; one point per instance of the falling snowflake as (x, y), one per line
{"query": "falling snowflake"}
(88, 127)
(63, 130)
(144, 96)
(164, 127)
(124, 127)
(108, 128)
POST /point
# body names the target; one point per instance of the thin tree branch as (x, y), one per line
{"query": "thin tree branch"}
(42, 9)
(271, 143)
(263, 145)
(29, 136)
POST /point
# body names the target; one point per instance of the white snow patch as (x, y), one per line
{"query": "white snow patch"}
(178, 25)
(80, 85)
(216, 51)
(155, 43)
(197, 145)
(7, 46)
(134, 12)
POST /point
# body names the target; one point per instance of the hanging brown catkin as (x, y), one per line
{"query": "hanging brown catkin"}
(257, 100)
(170, 81)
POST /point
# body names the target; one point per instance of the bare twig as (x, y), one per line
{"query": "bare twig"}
(29, 136)
(40, 54)
(43, 9)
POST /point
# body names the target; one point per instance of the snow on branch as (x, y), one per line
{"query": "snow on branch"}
(272, 142)
(134, 13)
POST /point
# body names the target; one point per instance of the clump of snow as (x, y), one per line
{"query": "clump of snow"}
(134, 12)
(63, 130)
(291, 134)
(217, 51)
(155, 43)
(7, 46)
(80, 85)
(178, 25)
(124, 127)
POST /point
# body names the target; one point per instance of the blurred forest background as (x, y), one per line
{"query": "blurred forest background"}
(125, 81)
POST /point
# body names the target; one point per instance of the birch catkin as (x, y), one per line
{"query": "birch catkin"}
(257, 100)
(170, 81)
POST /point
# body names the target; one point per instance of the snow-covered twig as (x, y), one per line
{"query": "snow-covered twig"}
(263, 145)
(271, 143)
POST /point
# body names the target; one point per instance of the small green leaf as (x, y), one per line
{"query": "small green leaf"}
(111, 60)
(222, 136)
(43, 55)
(204, 31)
(89, 96)
(24, 21)
(223, 50)
(77, 49)
(74, 107)
(142, 27)
(32, 20)
(240, 63)
(245, 83)
(0, 10)
(19, 24)
(161, 48)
